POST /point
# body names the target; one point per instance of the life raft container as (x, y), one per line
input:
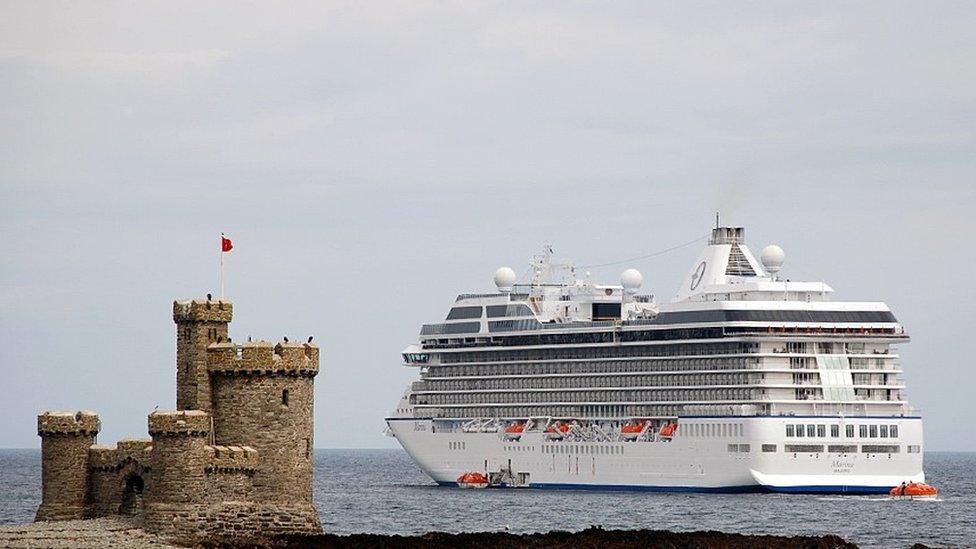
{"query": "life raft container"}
(514, 431)
(632, 430)
(668, 430)
(557, 431)
(472, 479)
(914, 490)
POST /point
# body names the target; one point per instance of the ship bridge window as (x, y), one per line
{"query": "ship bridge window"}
(606, 311)
(416, 358)
(464, 312)
(517, 309)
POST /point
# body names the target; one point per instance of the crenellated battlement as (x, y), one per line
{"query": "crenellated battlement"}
(102, 457)
(203, 310)
(68, 423)
(179, 423)
(263, 357)
(230, 459)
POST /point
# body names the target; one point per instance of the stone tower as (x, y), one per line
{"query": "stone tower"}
(179, 462)
(65, 440)
(198, 324)
(262, 396)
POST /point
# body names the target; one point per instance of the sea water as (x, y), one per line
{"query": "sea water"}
(383, 491)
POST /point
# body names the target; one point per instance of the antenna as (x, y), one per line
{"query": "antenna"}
(716, 220)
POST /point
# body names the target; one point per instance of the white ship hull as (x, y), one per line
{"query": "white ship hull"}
(685, 463)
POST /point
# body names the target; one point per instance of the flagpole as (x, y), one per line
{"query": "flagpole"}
(221, 278)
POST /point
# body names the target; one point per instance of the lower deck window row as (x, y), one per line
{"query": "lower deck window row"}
(820, 431)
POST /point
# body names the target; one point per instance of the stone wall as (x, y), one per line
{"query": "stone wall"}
(65, 440)
(191, 524)
(119, 478)
(230, 473)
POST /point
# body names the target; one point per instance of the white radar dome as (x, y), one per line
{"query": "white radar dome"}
(772, 258)
(504, 279)
(631, 279)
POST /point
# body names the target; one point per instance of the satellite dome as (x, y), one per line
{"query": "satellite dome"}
(631, 279)
(772, 258)
(504, 279)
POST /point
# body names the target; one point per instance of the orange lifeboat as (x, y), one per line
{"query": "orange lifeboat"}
(472, 479)
(668, 430)
(557, 431)
(632, 430)
(514, 431)
(914, 490)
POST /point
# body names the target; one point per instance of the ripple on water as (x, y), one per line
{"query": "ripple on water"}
(383, 491)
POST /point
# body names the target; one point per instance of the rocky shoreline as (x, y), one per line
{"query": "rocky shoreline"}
(116, 532)
(593, 537)
(126, 533)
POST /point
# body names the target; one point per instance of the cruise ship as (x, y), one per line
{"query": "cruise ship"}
(744, 381)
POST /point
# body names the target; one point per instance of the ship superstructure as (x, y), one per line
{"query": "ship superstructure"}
(743, 381)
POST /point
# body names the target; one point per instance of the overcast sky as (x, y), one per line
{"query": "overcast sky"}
(371, 161)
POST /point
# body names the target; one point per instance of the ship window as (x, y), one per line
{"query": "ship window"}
(883, 431)
(799, 430)
(768, 447)
(893, 431)
(811, 430)
(606, 311)
(880, 449)
(789, 430)
(862, 431)
(835, 431)
(464, 312)
(873, 431)
(849, 431)
(821, 431)
(804, 448)
(519, 309)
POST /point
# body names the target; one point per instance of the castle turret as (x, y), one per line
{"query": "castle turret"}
(179, 461)
(65, 440)
(263, 397)
(199, 323)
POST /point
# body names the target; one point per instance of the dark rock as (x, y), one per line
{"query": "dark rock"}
(593, 537)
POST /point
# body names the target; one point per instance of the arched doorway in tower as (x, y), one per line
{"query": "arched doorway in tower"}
(132, 495)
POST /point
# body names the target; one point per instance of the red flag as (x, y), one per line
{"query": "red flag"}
(225, 244)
